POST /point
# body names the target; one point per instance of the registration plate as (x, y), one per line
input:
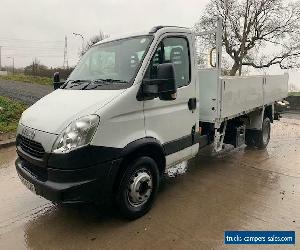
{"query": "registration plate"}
(28, 184)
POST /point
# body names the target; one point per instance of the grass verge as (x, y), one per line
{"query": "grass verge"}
(294, 93)
(10, 113)
(27, 78)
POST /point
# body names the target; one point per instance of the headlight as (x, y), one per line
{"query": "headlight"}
(79, 133)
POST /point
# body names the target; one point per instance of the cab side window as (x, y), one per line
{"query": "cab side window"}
(172, 50)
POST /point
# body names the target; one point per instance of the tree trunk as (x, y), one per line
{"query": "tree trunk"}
(234, 69)
(240, 69)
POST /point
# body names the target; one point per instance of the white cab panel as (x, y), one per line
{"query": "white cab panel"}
(182, 155)
(121, 121)
(56, 111)
(170, 120)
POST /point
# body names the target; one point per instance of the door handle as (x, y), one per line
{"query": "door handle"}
(192, 103)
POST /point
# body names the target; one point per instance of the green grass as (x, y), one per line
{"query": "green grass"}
(27, 78)
(294, 94)
(10, 113)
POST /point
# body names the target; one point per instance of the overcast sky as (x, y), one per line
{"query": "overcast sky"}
(37, 28)
(34, 28)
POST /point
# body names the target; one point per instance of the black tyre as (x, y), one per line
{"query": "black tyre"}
(259, 139)
(138, 188)
(250, 138)
(263, 136)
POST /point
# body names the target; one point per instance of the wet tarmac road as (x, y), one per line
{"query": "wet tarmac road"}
(28, 93)
(239, 189)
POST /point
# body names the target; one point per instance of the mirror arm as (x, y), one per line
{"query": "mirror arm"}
(57, 85)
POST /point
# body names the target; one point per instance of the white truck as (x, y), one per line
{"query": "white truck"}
(132, 108)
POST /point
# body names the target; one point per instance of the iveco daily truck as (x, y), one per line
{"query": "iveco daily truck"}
(132, 108)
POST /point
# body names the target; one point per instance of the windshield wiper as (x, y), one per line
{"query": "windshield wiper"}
(88, 83)
(79, 81)
(109, 80)
(100, 82)
(76, 83)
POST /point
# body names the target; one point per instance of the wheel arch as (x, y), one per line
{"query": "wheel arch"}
(256, 117)
(147, 146)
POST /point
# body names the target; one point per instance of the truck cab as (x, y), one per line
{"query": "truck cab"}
(126, 113)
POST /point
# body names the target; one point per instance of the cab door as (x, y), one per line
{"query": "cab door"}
(173, 123)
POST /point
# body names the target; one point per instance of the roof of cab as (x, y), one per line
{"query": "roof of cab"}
(161, 27)
(156, 29)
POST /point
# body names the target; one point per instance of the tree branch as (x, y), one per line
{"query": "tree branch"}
(276, 60)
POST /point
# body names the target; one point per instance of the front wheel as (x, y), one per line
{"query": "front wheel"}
(138, 188)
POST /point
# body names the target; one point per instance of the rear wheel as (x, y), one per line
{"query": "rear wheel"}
(250, 138)
(259, 138)
(263, 136)
(138, 188)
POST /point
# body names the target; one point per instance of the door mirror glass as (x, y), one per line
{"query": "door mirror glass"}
(164, 86)
(167, 89)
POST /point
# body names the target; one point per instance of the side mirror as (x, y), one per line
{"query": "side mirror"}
(164, 86)
(56, 81)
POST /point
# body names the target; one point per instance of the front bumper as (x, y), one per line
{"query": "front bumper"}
(89, 184)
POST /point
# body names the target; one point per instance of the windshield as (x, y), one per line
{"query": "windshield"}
(110, 64)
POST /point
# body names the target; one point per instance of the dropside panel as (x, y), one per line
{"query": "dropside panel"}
(240, 95)
(275, 88)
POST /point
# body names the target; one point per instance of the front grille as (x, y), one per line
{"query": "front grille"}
(39, 172)
(31, 147)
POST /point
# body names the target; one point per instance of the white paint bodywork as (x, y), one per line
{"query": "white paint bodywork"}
(121, 121)
(183, 155)
(209, 94)
(168, 121)
(57, 110)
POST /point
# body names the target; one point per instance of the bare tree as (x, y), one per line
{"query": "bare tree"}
(94, 40)
(34, 67)
(257, 33)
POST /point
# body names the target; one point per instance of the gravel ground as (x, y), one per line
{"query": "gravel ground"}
(26, 92)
